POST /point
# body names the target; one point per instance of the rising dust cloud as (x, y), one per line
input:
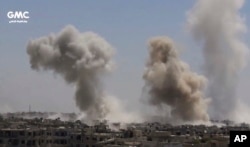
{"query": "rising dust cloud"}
(218, 26)
(83, 59)
(171, 82)
(80, 58)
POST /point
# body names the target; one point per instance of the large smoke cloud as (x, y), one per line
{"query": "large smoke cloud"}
(170, 82)
(81, 59)
(219, 26)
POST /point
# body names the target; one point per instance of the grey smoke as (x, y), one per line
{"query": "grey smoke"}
(170, 82)
(218, 26)
(81, 59)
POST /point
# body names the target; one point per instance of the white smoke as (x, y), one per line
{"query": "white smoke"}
(81, 59)
(118, 112)
(4, 108)
(219, 27)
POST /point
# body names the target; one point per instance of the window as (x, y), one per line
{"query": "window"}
(78, 137)
(22, 133)
(29, 133)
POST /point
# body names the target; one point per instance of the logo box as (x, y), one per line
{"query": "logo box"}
(18, 16)
(239, 139)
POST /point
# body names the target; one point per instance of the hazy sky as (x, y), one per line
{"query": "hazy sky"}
(127, 25)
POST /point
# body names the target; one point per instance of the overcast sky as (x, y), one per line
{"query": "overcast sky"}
(127, 25)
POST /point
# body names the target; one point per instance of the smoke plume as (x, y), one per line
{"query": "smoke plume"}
(81, 59)
(218, 25)
(170, 82)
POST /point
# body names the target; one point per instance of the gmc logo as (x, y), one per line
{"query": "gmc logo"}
(18, 15)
